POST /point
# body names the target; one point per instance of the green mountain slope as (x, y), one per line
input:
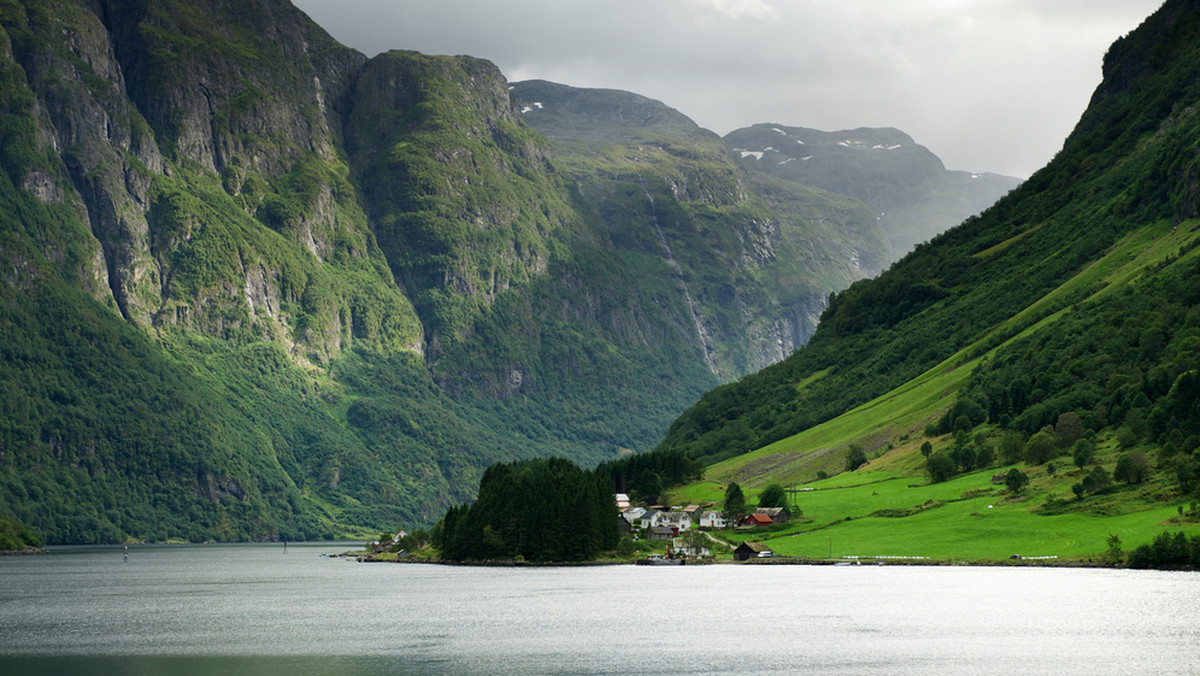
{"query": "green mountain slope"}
(1067, 309)
(257, 285)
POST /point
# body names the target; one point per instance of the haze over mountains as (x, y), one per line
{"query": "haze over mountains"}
(259, 286)
(909, 188)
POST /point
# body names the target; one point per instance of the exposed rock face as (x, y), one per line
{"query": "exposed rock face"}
(143, 97)
(462, 198)
(640, 163)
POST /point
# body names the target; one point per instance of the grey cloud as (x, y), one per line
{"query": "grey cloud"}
(988, 85)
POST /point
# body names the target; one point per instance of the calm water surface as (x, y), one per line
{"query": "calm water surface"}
(219, 609)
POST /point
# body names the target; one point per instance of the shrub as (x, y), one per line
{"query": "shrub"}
(1016, 480)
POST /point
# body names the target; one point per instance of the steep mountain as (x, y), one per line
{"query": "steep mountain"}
(184, 246)
(257, 285)
(907, 186)
(1069, 308)
(755, 259)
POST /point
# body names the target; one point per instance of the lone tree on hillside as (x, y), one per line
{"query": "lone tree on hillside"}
(773, 495)
(735, 500)
(856, 458)
(1041, 447)
(1082, 452)
(1131, 468)
(940, 467)
(1016, 480)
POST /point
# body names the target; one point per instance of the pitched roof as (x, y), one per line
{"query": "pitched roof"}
(675, 517)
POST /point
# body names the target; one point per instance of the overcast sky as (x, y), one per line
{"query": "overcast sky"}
(987, 85)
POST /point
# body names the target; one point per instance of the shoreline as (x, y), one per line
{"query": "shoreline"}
(772, 561)
(24, 551)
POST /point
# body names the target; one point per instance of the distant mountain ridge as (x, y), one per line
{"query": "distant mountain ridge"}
(908, 187)
(592, 115)
(259, 286)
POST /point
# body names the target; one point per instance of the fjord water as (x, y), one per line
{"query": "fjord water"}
(213, 609)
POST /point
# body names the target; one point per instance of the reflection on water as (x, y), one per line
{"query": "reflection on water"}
(263, 609)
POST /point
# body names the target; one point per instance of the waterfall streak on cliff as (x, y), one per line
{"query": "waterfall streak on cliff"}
(706, 343)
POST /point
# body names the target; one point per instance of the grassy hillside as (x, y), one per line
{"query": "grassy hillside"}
(1064, 315)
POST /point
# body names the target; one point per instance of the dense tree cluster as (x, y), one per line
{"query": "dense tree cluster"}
(536, 510)
(645, 475)
(15, 536)
(1168, 551)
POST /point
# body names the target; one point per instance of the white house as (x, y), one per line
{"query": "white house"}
(678, 521)
(621, 499)
(633, 514)
(713, 520)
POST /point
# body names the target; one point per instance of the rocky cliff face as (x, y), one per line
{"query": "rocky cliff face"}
(159, 112)
(740, 251)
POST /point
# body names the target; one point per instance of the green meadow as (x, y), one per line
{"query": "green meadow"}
(869, 514)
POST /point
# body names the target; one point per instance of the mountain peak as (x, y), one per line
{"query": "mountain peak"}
(562, 111)
(907, 186)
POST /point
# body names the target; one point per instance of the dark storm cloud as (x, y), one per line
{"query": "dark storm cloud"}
(988, 85)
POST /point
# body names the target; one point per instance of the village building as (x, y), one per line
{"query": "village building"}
(633, 515)
(621, 499)
(624, 528)
(755, 520)
(715, 520)
(752, 550)
(777, 514)
(648, 519)
(677, 521)
(660, 533)
(681, 549)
